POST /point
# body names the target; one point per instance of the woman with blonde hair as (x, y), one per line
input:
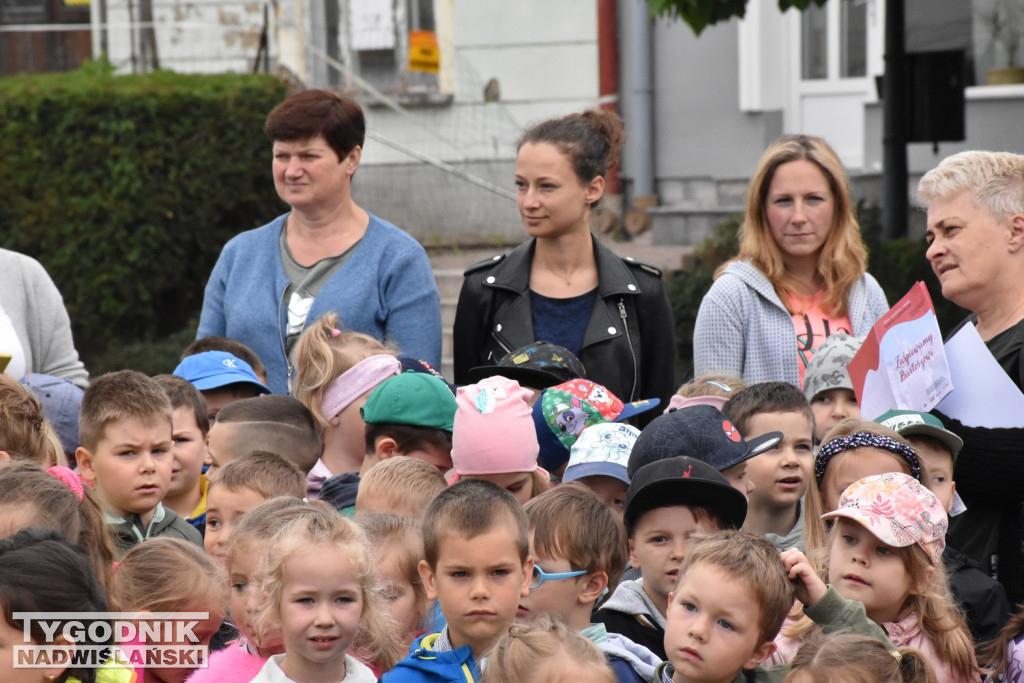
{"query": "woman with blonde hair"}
(800, 274)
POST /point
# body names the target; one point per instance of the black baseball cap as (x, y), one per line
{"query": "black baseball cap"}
(538, 366)
(683, 481)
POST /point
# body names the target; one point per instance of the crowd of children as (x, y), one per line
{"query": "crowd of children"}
(516, 529)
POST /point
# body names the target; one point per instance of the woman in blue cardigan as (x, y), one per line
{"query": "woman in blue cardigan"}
(327, 254)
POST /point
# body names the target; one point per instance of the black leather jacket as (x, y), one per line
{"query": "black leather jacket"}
(629, 344)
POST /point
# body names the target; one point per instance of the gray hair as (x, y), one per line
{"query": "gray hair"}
(994, 179)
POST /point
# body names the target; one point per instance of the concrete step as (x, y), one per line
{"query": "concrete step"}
(449, 281)
(687, 224)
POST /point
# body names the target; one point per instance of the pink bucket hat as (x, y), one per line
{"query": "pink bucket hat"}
(494, 432)
(898, 510)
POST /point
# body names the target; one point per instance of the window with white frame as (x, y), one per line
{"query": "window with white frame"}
(834, 40)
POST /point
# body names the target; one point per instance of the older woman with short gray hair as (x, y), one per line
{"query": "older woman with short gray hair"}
(975, 233)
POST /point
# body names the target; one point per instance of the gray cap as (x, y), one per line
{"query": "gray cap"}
(827, 370)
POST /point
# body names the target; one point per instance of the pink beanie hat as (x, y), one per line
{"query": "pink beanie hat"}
(494, 432)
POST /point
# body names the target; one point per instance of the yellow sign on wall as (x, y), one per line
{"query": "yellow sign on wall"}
(424, 54)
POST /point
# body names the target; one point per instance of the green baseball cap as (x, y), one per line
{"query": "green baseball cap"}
(411, 398)
(911, 422)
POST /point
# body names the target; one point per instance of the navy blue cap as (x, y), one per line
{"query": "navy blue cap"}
(701, 432)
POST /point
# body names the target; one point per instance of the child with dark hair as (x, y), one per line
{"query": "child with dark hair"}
(409, 414)
(186, 494)
(232, 346)
(780, 475)
(42, 572)
(478, 567)
(221, 377)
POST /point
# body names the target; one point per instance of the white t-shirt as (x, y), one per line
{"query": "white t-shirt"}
(355, 672)
(11, 346)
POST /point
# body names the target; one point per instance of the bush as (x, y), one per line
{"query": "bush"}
(896, 265)
(127, 187)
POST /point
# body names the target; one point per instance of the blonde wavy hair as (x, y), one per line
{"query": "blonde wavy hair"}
(843, 258)
(320, 525)
(321, 356)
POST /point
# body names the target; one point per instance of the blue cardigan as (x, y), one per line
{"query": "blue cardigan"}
(385, 289)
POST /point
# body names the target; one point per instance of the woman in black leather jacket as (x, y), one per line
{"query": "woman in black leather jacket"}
(562, 285)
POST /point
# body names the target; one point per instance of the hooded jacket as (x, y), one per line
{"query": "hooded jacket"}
(744, 330)
(629, 343)
(630, 613)
(129, 531)
(423, 663)
(630, 662)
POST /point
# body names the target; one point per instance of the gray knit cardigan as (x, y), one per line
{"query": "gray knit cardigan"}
(744, 330)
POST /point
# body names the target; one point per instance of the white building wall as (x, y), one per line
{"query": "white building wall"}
(544, 58)
(192, 36)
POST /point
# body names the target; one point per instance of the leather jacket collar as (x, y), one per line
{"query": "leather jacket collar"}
(613, 276)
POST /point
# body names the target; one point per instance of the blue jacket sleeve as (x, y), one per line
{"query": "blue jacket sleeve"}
(412, 308)
(211, 320)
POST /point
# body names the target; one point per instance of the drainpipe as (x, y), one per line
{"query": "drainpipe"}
(639, 126)
(608, 72)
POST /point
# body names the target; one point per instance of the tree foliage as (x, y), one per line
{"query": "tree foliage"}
(700, 14)
(126, 187)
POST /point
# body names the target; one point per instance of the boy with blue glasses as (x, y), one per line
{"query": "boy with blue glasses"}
(579, 551)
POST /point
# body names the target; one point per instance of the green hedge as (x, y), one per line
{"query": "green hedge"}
(896, 265)
(126, 188)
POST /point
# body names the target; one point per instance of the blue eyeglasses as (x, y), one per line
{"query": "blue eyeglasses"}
(540, 576)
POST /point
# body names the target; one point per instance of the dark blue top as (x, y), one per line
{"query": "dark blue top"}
(562, 321)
